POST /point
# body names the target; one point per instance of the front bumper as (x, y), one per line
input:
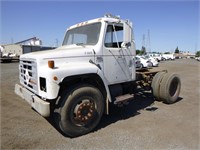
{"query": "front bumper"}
(41, 106)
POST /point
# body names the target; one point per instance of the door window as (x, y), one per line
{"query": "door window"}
(114, 36)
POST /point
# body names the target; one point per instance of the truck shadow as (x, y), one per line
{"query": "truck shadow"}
(142, 101)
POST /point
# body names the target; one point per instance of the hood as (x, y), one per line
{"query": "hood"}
(61, 52)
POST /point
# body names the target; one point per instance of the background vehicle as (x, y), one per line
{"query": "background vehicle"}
(138, 63)
(197, 58)
(153, 61)
(144, 61)
(93, 69)
(168, 57)
(157, 56)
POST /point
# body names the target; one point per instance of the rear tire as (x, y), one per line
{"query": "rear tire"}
(156, 84)
(80, 110)
(170, 88)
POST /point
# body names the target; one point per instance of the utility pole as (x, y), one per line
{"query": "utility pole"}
(195, 48)
(148, 42)
(143, 41)
(143, 49)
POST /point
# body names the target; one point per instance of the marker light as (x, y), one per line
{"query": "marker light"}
(51, 64)
(55, 78)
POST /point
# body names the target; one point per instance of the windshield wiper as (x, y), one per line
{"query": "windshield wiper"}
(82, 44)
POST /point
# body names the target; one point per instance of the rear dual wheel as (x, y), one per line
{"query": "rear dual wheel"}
(156, 84)
(166, 87)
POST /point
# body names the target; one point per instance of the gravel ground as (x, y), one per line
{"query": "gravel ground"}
(143, 124)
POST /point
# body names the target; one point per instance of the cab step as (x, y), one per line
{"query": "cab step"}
(123, 98)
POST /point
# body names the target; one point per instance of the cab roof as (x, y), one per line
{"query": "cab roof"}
(106, 18)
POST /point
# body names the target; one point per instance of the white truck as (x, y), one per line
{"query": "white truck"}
(93, 69)
(168, 56)
(157, 56)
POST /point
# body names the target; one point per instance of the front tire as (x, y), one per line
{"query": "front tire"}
(80, 110)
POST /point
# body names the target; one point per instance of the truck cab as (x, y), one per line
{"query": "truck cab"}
(98, 53)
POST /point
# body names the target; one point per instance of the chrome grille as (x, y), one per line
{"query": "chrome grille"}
(28, 74)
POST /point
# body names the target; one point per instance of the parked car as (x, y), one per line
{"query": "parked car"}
(158, 57)
(197, 58)
(153, 61)
(137, 61)
(145, 63)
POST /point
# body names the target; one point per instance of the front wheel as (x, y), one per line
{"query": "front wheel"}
(80, 110)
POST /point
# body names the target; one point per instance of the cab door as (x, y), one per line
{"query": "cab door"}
(118, 60)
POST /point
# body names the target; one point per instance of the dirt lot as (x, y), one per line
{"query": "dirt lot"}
(144, 124)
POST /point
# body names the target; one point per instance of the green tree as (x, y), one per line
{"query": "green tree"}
(167, 53)
(198, 54)
(177, 50)
(137, 52)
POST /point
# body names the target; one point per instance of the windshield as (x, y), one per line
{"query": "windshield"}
(83, 35)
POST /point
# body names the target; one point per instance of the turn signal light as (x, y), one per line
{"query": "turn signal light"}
(51, 64)
(55, 78)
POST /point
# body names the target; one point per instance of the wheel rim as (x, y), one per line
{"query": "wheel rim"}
(84, 112)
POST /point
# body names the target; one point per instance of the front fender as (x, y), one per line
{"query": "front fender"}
(56, 75)
(74, 69)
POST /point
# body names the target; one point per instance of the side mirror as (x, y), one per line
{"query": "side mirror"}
(126, 45)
